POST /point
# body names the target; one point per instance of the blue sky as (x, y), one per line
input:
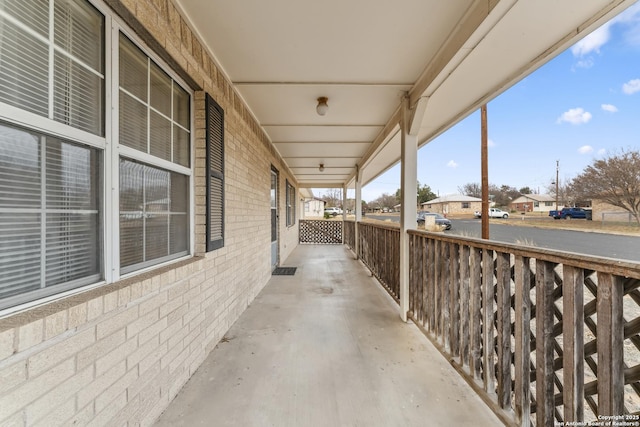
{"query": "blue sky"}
(582, 105)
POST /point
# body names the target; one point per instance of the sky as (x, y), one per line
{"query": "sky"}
(581, 106)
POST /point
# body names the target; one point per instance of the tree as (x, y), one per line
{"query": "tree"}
(526, 190)
(566, 195)
(384, 201)
(501, 196)
(473, 189)
(333, 197)
(614, 180)
(424, 194)
(504, 194)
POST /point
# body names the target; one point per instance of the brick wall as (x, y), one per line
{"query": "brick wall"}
(119, 353)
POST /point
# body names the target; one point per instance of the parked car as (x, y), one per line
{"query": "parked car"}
(440, 220)
(493, 213)
(333, 211)
(570, 213)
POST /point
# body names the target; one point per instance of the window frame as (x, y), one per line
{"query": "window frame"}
(110, 152)
(121, 151)
(290, 201)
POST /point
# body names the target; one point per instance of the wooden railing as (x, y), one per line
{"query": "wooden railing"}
(350, 234)
(379, 250)
(544, 337)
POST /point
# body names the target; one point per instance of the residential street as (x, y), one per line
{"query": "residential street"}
(614, 246)
(599, 244)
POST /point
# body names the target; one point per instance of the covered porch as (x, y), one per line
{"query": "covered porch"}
(276, 98)
(325, 347)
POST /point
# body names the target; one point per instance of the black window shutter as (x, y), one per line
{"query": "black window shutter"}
(215, 175)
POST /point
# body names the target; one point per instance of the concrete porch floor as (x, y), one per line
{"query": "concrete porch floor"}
(325, 347)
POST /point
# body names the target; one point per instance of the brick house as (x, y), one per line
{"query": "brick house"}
(149, 187)
(453, 205)
(533, 203)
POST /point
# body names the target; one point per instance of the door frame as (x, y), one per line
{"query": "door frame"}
(274, 216)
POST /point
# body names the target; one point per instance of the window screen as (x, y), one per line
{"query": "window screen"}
(215, 175)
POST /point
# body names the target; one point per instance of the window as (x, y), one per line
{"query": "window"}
(154, 200)
(291, 204)
(536, 204)
(466, 205)
(215, 175)
(61, 172)
(154, 222)
(548, 203)
(72, 56)
(49, 215)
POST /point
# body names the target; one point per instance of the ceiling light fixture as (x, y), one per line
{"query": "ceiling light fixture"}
(321, 168)
(322, 107)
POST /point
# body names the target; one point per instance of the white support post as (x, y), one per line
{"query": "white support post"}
(358, 210)
(408, 190)
(344, 209)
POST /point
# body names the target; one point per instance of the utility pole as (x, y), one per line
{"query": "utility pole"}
(484, 171)
(557, 182)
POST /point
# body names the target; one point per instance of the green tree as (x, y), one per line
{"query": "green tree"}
(424, 194)
(526, 190)
(614, 180)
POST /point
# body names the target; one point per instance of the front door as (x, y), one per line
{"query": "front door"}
(274, 219)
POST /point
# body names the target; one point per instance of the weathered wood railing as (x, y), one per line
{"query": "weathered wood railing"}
(379, 250)
(542, 336)
(350, 234)
(512, 321)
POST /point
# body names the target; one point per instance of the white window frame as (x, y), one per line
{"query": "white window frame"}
(112, 257)
(111, 153)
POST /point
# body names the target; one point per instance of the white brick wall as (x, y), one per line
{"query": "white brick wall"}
(118, 354)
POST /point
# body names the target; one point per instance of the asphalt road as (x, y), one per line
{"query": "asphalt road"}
(599, 244)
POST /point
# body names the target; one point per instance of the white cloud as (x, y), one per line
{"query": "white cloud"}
(575, 116)
(610, 108)
(602, 152)
(593, 42)
(631, 87)
(585, 63)
(585, 149)
(491, 143)
(452, 164)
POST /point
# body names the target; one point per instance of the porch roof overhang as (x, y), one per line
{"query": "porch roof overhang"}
(448, 57)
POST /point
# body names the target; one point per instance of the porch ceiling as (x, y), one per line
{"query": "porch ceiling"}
(364, 55)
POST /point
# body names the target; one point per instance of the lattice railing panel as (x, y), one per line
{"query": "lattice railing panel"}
(325, 232)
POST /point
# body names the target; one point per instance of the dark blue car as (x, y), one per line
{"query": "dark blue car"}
(440, 220)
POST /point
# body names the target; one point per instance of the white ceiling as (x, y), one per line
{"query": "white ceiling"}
(365, 55)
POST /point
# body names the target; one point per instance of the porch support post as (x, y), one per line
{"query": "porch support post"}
(358, 211)
(410, 123)
(344, 209)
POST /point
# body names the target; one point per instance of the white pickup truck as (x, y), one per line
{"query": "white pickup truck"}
(493, 213)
